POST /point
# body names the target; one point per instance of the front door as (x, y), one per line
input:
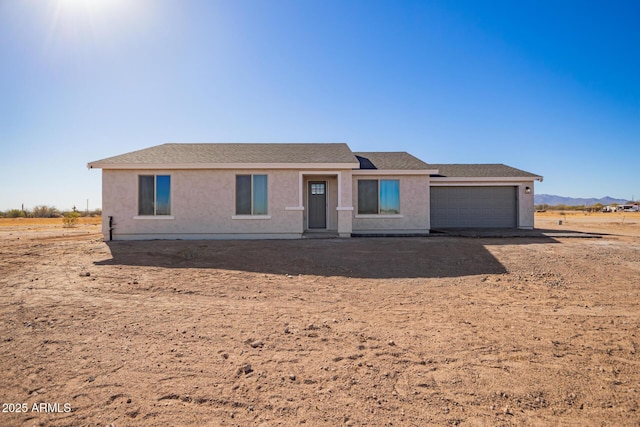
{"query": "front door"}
(317, 204)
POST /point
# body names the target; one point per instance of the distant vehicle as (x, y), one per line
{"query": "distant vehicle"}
(621, 208)
(628, 208)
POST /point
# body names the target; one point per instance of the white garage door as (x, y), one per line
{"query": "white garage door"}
(474, 207)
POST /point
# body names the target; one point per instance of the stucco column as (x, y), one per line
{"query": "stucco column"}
(345, 204)
(344, 222)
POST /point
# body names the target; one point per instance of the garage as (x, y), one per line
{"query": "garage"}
(474, 207)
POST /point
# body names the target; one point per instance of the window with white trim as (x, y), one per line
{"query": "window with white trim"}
(154, 195)
(378, 196)
(251, 195)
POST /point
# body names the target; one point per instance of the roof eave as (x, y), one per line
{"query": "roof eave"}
(485, 178)
(394, 171)
(166, 166)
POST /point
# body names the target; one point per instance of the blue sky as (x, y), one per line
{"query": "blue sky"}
(551, 87)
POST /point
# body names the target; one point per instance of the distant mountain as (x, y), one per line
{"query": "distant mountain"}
(551, 200)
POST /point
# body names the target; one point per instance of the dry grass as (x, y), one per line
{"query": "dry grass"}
(13, 222)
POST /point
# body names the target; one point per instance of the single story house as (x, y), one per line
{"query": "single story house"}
(229, 191)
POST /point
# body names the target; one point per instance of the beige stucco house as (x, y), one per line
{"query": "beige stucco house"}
(231, 191)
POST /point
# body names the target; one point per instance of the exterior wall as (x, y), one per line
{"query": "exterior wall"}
(202, 206)
(414, 207)
(526, 206)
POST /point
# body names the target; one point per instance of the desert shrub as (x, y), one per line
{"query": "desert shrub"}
(44, 211)
(93, 213)
(71, 219)
(15, 213)
(560, 207)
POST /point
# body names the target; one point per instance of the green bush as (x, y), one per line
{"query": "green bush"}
(44, 211)
(93, 213)
(15, 213)
(71, 219)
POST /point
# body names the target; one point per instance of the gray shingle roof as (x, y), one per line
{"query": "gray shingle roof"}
(168, 154)
(311, 153)
(390, 161)
(496, 170)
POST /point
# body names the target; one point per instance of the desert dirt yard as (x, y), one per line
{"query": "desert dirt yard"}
(321, 332)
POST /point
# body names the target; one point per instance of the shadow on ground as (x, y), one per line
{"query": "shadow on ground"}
(375, 258)
(513, 232)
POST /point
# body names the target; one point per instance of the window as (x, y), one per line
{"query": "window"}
(154, 195)
(317, 188)
(368, 196)
(251, 195)
(389, 197)
(378, 197)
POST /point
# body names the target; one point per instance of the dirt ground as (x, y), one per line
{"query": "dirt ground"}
(378, 332)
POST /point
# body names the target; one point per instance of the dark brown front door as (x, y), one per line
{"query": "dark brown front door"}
(317, 204)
